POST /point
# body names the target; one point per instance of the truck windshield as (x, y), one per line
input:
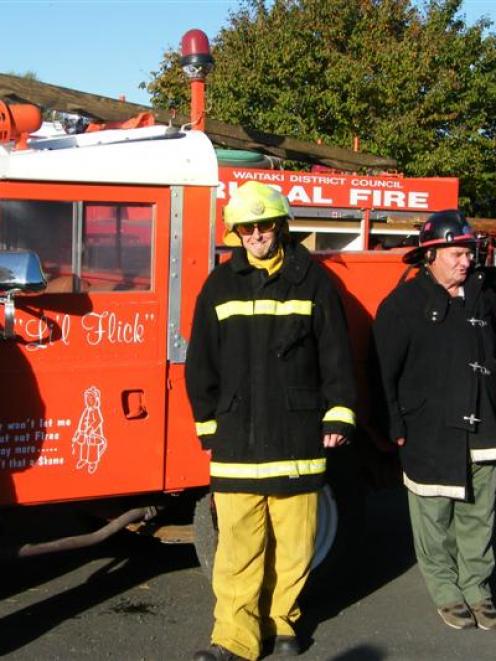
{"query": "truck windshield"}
(83, 246)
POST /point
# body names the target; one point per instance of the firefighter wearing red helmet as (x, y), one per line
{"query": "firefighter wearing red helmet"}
(436, 346)
(443, 228)
(269, 376)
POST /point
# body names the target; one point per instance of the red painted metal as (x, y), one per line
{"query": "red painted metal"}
(111, 341)
(17, 120)
(198, 104)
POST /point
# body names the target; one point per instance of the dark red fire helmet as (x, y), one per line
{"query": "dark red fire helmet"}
(441, 229)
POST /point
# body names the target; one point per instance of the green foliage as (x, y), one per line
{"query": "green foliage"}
(30, 75)
(414, 82)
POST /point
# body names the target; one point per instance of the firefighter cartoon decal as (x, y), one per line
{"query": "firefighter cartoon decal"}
(89, 443)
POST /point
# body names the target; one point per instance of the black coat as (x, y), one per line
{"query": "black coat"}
(268, 359)
(438, 369)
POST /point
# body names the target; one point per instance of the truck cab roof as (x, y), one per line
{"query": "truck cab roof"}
(155, 155)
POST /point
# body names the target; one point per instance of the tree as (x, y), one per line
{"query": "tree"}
(415, 83)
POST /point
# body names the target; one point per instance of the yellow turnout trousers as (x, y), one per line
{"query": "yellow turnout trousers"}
(264, 552)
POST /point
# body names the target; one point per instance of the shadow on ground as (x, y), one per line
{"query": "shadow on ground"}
(132, 560)
(383, 553)
(361, 653)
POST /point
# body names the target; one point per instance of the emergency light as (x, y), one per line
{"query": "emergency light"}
(196, 58)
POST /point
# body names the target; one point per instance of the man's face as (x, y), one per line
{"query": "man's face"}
(258, 238)
(451, 265)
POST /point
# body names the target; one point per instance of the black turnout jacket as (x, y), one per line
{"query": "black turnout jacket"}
(438, 367)
(268, 371)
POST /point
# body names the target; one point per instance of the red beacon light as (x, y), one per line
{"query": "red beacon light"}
(196, 62)
(196, 58)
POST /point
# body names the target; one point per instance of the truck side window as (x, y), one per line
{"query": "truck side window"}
(83, 246)
(117, 246)
(46, 228)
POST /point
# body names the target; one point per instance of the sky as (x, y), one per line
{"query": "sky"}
(108, 47)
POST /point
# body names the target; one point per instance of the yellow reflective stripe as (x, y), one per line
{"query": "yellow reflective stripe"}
(282, 308)
(268, 306)
(232, 308)
(290, 468)
(340, 414)
(207, 427)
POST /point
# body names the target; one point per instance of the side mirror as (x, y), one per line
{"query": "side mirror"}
(20, 271)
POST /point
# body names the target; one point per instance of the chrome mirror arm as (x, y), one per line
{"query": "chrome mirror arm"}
(7, 300)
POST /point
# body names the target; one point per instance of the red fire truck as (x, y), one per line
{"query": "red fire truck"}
(125, 224)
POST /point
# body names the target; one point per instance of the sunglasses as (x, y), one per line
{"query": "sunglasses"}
(247, 229)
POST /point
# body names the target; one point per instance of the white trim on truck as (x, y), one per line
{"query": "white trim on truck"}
(149, 156)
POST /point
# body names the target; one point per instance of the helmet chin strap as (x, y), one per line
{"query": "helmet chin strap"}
(275, 244)
(273, 248)
(430, 256)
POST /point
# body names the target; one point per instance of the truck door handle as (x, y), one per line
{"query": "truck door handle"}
(133, 404)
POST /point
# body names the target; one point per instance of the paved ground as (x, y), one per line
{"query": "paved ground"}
(139, 600)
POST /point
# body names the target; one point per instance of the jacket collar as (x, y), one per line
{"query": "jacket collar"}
(438, 299)
(239, 262)
(296, 263)
(473, 287)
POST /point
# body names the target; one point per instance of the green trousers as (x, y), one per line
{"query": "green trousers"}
(453, 540)
(263, 558)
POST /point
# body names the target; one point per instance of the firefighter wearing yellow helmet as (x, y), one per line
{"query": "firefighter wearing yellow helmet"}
(269, 377)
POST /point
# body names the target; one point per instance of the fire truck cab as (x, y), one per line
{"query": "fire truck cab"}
(93, 400)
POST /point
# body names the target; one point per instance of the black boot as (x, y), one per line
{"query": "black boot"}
(286, 646)
(217, 653)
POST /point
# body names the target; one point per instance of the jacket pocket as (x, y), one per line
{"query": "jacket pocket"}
(292, 335)
(303, 421)
(304, 399)
(233, 426)
(413, 406)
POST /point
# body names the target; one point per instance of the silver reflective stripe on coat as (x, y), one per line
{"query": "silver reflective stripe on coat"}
(433, 489)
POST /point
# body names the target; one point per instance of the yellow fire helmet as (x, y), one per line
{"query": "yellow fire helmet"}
(250, 203)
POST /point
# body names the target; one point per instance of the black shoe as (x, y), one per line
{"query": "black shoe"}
(286, 646)
(217, 653)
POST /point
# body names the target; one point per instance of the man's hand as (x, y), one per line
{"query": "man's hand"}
(400, 441)
(334, 440)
